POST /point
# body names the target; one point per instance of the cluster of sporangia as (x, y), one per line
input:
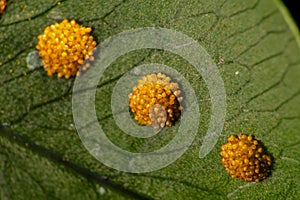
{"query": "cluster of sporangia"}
(2, 6)
(156, 101)
(64, 47)
(244, 158)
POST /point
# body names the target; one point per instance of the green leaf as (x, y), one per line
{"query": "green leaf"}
(254, 44)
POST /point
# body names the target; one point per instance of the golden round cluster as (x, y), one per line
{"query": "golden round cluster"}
(156, 101)
(2, 6)
(64, 47)
(244, 158)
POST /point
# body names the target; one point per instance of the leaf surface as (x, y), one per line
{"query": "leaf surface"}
(257, 54)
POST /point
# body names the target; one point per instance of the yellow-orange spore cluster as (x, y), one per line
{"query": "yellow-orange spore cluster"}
(2, 6)
(244, 158)
(156, 101)
(64, 47)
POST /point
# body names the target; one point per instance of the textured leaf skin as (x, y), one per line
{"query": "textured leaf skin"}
(41, 155)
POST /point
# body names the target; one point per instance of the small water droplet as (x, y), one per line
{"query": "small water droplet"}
(33, 60)
(102, 190)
